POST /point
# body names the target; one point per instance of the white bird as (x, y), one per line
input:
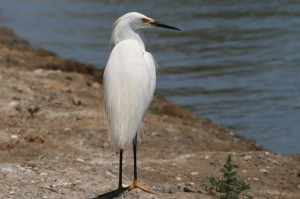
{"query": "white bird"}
(129, 83)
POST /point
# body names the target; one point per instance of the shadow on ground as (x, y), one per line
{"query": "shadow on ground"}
(111, 194)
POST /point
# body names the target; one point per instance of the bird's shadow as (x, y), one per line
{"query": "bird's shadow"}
(111, 194)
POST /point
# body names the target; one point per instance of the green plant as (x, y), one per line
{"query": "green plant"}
(229, 187)
(157, 109)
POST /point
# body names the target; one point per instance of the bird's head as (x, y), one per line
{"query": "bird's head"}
(126, 25)
(139, 21)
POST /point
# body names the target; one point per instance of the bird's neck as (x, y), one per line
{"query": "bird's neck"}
(123, 31)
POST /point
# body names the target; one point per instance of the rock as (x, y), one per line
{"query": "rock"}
(76, 101)
(33, 109)
(247, 157)
(14, 136)
(186, 189)
(67, 130)
(263, 170)
(29, 138)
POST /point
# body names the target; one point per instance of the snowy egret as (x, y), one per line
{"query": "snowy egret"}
(129, 83)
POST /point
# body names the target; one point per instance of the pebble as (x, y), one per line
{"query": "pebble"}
(67, 130)
(109, 174)
(76, 101)
(247, 157)
(29, 138)
(33, 109)
(189, 184)
(186, 189)
(255, 179)
(178, 178)
(263, 170)
(79, 160)
(14, 136)
(194, 173)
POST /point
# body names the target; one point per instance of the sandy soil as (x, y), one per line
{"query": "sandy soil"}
(53, 141)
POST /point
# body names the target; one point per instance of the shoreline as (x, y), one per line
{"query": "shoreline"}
(53, 129)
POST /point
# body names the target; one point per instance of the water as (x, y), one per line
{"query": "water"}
(236, 62)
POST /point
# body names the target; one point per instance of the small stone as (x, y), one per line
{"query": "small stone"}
(32, 87)
(33, 109)
(14, 136)
(109, 175)
(194, 173)
(263, 170)
(29, 138)
(79, 160)
(186, 189)
(247, 157)
(76, 101)
(255, 179)
(231, 133)
(67, 130)
(189, 184)
(178, 178)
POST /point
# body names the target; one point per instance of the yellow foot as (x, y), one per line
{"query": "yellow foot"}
(136, 185)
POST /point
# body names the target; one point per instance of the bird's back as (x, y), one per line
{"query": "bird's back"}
(129, 81)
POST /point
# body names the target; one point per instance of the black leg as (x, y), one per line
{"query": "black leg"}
(135, 183)
(120, 170)
(134, 158)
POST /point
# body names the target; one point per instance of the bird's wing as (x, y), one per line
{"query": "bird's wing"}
(152, 71)
(128, 89)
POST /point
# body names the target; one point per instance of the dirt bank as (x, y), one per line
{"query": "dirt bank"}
(53, 141)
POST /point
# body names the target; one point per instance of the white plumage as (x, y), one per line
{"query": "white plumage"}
(129, 81)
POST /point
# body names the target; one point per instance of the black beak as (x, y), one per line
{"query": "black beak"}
(162, 25)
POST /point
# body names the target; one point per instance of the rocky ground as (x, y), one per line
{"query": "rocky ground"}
(53, 141)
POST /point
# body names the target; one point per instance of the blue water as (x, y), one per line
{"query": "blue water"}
(235, 62)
